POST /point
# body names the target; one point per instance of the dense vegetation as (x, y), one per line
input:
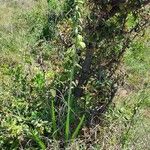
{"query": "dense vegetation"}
(74, 74)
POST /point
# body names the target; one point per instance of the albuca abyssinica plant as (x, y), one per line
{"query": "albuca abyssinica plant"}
(60, 66)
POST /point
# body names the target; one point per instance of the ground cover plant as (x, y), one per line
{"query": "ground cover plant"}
(74, 74)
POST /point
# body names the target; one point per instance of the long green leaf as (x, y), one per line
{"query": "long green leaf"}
(53, 118)
(67, 129)
(38, 141)
(74, 135)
